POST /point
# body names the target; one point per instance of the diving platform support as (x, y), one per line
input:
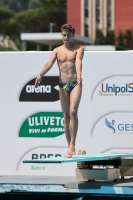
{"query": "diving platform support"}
(126, 168)
(97, 174)
(98, 170)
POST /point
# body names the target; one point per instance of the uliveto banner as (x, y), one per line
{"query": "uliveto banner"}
(43, 124)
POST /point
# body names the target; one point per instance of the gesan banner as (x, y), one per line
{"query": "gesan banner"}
(32, 122)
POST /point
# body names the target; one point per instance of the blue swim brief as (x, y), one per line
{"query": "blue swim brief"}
(68, 86)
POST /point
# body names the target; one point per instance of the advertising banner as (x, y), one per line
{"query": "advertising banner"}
(32, 122)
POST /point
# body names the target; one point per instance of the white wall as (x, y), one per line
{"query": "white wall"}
(99, 48)
(95, 134)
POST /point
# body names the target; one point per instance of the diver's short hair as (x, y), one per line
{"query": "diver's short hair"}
(68, 27)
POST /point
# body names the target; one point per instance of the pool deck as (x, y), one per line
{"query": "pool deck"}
(65, 185)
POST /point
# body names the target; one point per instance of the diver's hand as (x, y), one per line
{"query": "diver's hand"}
(38, 80)
(79, 79)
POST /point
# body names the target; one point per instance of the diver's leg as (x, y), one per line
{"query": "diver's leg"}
(75, 97)
(65, 105)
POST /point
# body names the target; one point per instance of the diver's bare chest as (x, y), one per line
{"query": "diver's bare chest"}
(66, 56)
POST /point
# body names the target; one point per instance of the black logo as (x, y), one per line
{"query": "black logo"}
(46, 91)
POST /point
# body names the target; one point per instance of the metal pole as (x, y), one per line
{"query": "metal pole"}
(23, 45)
(38, 47)
(50, 30)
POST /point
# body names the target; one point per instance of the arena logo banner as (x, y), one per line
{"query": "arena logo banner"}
(118, 123)
(47, 91)
(43, 124)
(115, 86)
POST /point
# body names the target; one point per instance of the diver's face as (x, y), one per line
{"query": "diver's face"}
(67, 37)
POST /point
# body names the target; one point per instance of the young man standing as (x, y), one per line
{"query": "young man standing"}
(69, 58)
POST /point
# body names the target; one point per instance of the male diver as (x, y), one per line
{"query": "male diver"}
(69, 58)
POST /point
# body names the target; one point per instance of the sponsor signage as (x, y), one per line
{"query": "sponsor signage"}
(115, 86)
(42, 155)
(114, 90)
(43, 168)
(119, 123)
(29, 132)
(47, 90)
(43, 124)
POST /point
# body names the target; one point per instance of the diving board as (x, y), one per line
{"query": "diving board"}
(81, 158)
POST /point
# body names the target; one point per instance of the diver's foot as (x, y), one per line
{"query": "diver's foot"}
(68, 155)
(72, 150)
